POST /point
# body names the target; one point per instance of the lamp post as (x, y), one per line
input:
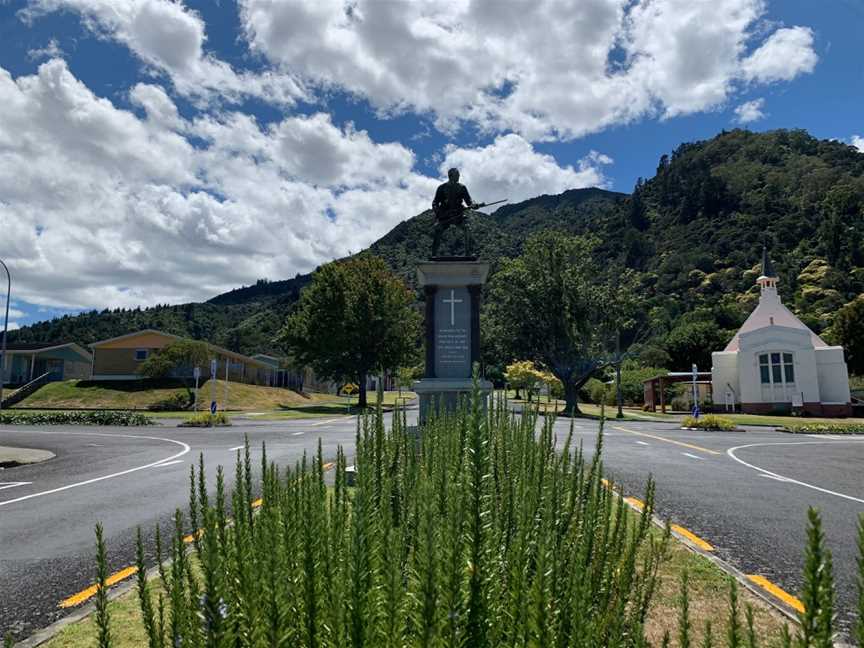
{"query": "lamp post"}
(5, 329)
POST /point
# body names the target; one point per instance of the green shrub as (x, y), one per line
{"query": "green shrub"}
(74, 417)
(206, 419)
(173, 403)
(709, 422)
(476, 533)
(825, 428)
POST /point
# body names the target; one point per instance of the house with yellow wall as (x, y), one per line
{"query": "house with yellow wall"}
(120, 358)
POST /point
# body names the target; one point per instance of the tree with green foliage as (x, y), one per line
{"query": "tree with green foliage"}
(552, 305)
(177, 360)
(693, 342)
(522, 374)
(355, 318)
(848, 331)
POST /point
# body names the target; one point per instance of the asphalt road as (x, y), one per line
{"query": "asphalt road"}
(746, 493)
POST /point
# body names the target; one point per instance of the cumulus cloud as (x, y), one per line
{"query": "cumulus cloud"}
(542, 69)
(170, 38)
(858, 142)
(511, 168)
(51, 50)
(101, 206)
(787, 53)
(750, 111)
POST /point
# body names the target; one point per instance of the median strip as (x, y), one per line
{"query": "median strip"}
(776, 591)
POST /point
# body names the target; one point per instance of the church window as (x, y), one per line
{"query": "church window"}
(776, 369)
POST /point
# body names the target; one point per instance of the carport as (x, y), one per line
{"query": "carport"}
(655, 388)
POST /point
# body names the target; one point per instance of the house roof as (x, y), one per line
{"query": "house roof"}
(135, 334)
(43, 347)
(217, 349)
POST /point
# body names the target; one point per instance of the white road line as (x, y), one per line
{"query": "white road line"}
(768, 473)
(296, 433)
(168, 463)
(5, 485)
(775, 477)
(329, 421)
(236, 448)
(185, 447)
(643, 443)
(692, 456)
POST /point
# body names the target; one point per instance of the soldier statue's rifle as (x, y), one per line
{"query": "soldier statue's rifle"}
(457, 218)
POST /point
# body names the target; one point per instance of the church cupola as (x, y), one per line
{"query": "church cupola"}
(767, 281)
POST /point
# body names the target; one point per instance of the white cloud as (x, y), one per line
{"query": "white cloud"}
(750, 111)
(858, 142)
(553, 69)
(170, 38)
(51, 50)
(100, 207)
(511, 168)
(14, 326)
(787, 53)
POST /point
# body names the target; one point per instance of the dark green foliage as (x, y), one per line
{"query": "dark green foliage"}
(103, 617)
(476, 533)
(846, 330)
(817, 620)
(684, 627)
(180, 354)
(354, 319)
(551, 305)
(80, 417)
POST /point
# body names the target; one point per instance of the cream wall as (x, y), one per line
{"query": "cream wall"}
(778, 339)
(833, 375)
(724, 373)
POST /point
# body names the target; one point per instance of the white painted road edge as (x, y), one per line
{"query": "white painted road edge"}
(185, 447)
(783, 478)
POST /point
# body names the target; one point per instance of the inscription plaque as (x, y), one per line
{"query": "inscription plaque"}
(452, 333)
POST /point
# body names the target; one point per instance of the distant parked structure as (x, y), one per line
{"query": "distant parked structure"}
(776, 363)
(120, 358)
(26, 362)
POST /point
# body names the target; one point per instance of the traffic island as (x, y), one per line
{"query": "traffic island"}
(11, 457)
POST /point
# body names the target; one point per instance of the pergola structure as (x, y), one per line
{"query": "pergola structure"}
(655, 388)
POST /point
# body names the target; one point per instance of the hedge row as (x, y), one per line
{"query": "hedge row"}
(825, 428)
(98, 417)
(709, 422)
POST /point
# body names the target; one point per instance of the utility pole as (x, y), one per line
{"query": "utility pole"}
(619, 397)
(5, 330)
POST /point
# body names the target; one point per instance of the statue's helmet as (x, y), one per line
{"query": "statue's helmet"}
(453, 174)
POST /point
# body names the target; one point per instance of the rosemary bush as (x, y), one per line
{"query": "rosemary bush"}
(475, 533)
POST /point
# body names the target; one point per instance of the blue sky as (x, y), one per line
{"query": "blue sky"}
(162, 152)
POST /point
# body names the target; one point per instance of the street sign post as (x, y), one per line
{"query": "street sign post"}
(695, 392)
(197, 373)
(213, 367)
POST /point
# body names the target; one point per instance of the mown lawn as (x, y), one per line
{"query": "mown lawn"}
(141, 395)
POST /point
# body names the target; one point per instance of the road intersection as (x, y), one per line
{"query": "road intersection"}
(744, 493)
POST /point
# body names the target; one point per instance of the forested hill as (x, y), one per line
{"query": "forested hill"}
(694, 232)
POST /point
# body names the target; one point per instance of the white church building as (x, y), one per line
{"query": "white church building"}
(775, 363)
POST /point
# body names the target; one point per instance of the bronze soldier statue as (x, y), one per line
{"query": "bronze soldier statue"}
(451, 201)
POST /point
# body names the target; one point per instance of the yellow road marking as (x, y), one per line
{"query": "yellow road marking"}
(660, 438)
(635, 502)
(692, 537)
(780, 593)
(123, 574)
(91, 591)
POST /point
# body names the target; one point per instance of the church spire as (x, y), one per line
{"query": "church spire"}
(767, 280)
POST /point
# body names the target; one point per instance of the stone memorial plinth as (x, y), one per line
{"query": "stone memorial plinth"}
(452, 288)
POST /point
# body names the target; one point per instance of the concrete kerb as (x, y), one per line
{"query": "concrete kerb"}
(732, 571)
(23, 456)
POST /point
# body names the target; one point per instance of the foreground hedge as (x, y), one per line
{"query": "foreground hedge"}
(478, 534)
(709, 422)
(825, 428)
(98, 417)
